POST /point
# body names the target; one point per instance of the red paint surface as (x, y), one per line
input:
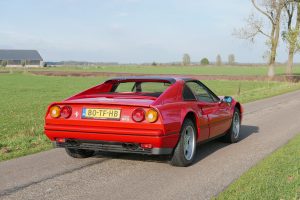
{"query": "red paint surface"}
(212, 119)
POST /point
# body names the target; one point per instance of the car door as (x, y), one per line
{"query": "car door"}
(202, 120)
(217, 111)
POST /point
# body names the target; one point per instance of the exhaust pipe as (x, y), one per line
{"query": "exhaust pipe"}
(130, 146)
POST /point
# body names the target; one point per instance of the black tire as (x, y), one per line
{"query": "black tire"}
(232, 136)
(79, 153)
(179, 157)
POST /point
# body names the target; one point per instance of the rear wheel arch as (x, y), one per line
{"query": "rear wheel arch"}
(192, 116)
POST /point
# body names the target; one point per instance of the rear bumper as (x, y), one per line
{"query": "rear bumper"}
(111, 147)
(109, 142)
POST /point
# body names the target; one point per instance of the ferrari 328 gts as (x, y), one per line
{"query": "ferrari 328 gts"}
(143, 115)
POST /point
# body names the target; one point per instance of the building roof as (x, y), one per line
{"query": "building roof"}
(20, 55)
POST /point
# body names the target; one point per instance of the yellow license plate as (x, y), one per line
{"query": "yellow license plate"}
(99, 113)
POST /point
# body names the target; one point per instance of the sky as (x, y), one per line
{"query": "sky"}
(130, 31)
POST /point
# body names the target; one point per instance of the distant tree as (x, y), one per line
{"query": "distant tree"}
(186, 60)
(204, 61)
(290, 34)
(4, 63)
(218, 60)
(44, 64)
(267, 24)
(154, 64)
(23, 63)
(231, 59)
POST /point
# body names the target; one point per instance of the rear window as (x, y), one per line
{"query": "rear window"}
(140, 88)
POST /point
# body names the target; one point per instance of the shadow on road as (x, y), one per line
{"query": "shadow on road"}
(203, 150)
(247, 130)
(209, 148)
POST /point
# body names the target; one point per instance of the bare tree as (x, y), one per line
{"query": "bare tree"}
(4, 63)
(231, 59)
(218, 60)
(271, 10)
(186, 60)
(23, 63)
(291, 35)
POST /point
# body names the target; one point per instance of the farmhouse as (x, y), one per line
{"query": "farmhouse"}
(20, 58)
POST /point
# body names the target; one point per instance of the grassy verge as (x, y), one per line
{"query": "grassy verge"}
(195, 70)
(275, 177)
(25, 97)
(23, 102)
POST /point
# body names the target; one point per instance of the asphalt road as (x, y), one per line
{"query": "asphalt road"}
(267, 125)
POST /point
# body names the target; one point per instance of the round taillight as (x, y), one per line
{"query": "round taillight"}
(138, 115)
(151, 115)
(55, 111)
(66, 112)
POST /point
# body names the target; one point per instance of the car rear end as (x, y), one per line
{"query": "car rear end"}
(109, 122)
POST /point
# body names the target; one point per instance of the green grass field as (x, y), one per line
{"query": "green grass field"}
(25, 97)
(23, 102)
(275, 177)
(195, 70)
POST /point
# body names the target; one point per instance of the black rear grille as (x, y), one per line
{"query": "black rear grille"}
(104, 146)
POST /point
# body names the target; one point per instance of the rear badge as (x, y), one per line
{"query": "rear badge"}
(125, 118)
(76, 114)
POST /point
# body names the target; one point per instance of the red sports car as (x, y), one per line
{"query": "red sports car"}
(143, 115)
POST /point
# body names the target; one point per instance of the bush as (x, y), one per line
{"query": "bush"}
(44, 64)
(204, 61)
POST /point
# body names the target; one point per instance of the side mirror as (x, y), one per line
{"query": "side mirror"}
(227, 99)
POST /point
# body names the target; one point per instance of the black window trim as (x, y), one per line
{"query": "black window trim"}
(211, 93)
(195, 99)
